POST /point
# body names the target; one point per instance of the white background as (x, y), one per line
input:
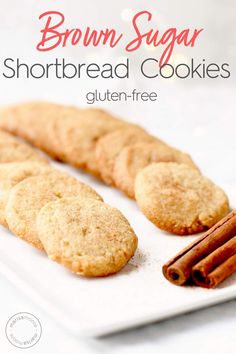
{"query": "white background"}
(188, 111)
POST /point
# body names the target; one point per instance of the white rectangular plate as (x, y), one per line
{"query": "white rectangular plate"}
(138, 294)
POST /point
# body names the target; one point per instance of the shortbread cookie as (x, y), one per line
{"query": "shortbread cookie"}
(87, 236)
(13, 150)
(178, 199)
(37, 123)
(134, 158)
(109, 147)
(27, 120)
(30, 195)
(13, 173)
(6, 138)
(78, 136)
(16, 152)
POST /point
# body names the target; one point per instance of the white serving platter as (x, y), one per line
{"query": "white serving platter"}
(137, 295)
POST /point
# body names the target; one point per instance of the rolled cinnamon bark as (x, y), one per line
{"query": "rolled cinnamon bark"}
(217, 266)
(179, 269)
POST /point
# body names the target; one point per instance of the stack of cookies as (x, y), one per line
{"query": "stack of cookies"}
(165, 181)
(53, 211)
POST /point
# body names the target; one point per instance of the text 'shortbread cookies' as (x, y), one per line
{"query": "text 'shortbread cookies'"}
(13, 173)
(134, 158)
(178, 199)
(30, 195)
(89, 237)
(109, 147)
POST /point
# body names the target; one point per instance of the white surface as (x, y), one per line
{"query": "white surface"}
(136, 295)
(206, 331)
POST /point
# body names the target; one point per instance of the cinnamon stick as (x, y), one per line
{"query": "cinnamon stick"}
(217, 266)
(179, 269)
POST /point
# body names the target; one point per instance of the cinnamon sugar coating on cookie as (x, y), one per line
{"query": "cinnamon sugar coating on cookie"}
(134, 158)
(178, 199)
(109, 147)
(14, 172)
(89, 237)
(30, 195)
